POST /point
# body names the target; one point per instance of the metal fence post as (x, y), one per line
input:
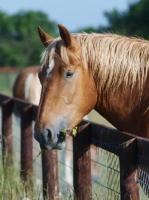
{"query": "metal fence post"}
(50, 174)
(26, 142)
(7, 108)
(82, 163)
(128, 171)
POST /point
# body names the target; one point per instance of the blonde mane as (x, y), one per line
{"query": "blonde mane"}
(112, 59)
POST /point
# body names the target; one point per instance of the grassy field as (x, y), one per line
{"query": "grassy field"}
(12, 187)
(6, 82)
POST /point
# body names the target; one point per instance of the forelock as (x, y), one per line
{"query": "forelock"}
(50, 53)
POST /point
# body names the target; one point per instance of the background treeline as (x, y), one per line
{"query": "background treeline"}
(132, 22)
(19, 41)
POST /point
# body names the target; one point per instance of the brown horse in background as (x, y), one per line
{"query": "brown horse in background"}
(81, 72)
(27, 85)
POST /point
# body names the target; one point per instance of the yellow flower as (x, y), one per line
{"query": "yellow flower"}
(74, 131)
(67, 132)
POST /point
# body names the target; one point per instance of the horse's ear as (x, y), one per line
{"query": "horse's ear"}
(65, 35)
(44, 37)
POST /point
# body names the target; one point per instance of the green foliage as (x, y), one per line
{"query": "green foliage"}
(20, 43)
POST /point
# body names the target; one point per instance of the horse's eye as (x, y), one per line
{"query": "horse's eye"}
(69, 74)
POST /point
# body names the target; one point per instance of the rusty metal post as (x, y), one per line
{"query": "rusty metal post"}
(82, 163)
(128, 171)
(26, 142)
(50, 174)
(7, 108)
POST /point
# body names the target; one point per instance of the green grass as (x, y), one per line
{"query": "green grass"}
(13, 187)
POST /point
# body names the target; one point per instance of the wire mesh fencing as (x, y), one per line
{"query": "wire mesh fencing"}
(143, 174)
(105, 173)
(65, 170)
(37, 165)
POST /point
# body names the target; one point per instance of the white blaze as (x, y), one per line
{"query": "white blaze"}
(50, 67)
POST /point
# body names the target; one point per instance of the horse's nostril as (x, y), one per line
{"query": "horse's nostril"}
(48, 134)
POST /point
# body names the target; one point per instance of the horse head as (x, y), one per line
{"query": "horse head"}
(68, 89)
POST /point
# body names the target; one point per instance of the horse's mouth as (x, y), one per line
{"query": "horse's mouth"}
(45, 147)
(60, 144)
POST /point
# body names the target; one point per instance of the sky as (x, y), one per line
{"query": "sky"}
(73, 14)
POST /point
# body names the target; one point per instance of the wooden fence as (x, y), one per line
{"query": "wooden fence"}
(129, 150)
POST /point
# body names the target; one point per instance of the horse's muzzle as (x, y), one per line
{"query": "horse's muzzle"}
(49, 140)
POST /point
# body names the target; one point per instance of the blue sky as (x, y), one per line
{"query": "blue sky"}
(73, 14)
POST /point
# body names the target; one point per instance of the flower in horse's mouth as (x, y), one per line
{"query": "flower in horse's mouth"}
(67, 132)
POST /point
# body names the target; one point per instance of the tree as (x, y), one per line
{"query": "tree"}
(20, 44)
(133, 22)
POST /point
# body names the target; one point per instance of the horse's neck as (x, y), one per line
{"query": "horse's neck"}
(124, 108)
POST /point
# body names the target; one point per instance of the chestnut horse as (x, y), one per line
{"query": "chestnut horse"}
(27, 85)
(81, 72)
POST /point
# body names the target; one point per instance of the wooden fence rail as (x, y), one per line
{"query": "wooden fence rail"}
(128, 147)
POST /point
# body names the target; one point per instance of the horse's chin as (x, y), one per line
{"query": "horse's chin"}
(58, 146)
